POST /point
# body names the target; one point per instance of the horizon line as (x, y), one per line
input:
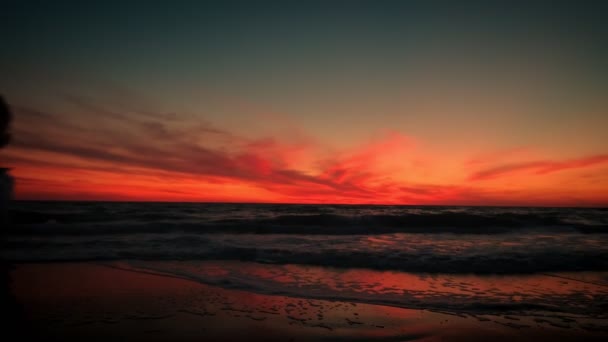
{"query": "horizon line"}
(316, 204)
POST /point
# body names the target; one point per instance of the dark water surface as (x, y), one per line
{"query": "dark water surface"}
(539, 265)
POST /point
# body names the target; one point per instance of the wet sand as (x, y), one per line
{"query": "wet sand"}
(94, 302)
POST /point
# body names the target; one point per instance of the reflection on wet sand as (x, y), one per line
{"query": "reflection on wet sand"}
(78, 301)
(572, 295)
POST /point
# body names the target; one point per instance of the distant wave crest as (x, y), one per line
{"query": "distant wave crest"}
(327, 224)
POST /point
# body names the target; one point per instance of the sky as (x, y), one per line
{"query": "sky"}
(380, 102)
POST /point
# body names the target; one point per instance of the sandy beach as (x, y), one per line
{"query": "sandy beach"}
(100, 302)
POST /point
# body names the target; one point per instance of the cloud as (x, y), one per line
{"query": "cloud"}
(538, 167)
(116, 155)
(159, 146)
(357, 165)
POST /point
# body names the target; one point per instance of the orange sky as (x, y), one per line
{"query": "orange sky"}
(149, 157)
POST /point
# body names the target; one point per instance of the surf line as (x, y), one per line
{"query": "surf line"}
(574, 279)
(148, 272)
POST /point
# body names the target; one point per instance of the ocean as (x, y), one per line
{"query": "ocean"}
(534, 262)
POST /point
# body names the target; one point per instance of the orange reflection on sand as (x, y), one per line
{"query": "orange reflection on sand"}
(364, 280)
(570, 292)
(74, 302)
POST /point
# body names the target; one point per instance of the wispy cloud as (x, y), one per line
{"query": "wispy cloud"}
(110, 154)
(538, 167)
(197, 151)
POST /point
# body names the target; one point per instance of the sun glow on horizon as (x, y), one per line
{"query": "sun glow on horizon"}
(389, 169)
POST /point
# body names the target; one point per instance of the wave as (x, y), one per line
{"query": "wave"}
(428, 255)
(481, 240)
(328, 224)
(449, 293)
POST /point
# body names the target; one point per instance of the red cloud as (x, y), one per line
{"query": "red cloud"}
(148, 156)
(154, 145)
(355, 166)
(538, 167)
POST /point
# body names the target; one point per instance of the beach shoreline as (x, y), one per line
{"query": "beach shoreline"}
(92, 301)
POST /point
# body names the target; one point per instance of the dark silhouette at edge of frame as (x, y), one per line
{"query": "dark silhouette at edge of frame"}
(6, 181)
(13, 322)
